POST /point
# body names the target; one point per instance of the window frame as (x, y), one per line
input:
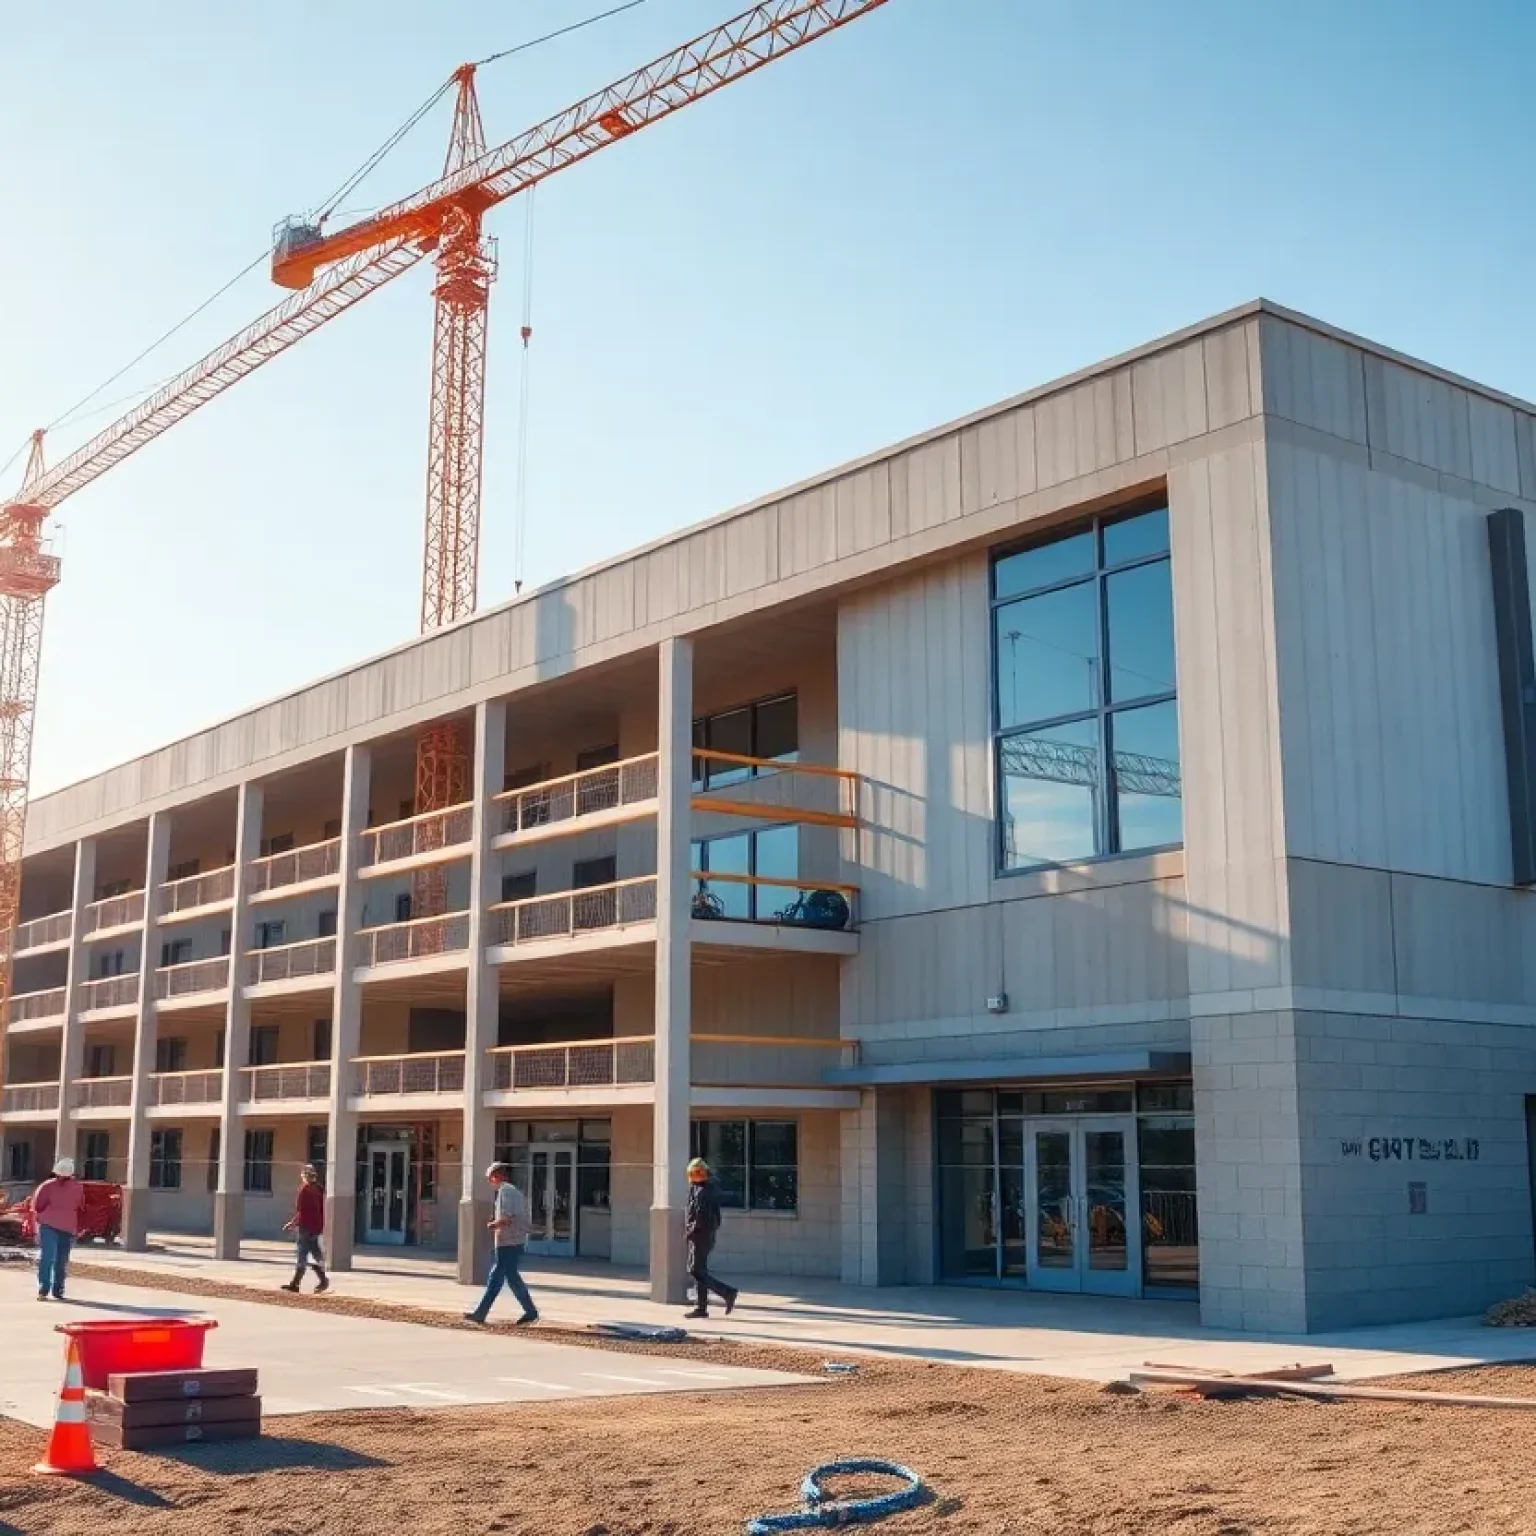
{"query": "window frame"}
(698, 851)
(738, 773)
(95, 1166)
(749, 1125)
(1106, 830)
(165, 1158)
(254, 1163)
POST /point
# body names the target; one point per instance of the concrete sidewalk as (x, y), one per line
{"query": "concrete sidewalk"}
(1088, 1338)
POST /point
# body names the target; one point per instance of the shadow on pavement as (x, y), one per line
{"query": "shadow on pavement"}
(118, 1306)
(267, 1453)
(127, 1490)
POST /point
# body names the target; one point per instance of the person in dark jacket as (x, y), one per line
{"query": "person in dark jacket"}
(702, 1227)
(307, 1225)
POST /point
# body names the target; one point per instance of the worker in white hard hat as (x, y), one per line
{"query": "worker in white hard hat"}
(56, 1208)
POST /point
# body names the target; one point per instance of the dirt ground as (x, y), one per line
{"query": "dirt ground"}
(1004, 1454)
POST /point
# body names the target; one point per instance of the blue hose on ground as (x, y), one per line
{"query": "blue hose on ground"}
(819, 1513)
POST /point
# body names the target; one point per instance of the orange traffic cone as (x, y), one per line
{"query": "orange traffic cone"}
(69, 1451)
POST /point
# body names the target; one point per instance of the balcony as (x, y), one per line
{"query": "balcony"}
(401, 1079)
(194, 979)
(774, 913)
(430, 838)
(308, 963)
(424, 938)
(315, 864)
(30, 1100)
(623, 1062)
(42, 933)
(765, 1061)
(202, 1090)
(773, 790)
(114, 914)
(197, 893)
(114, 993)
(35, 1009)
(296, 1083)
(571, 915)
(596, 797)
(101, 1093)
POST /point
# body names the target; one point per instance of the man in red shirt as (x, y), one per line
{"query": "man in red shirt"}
(308, 1223)
(56, 1209)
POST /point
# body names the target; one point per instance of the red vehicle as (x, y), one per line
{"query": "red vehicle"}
(101, 1217)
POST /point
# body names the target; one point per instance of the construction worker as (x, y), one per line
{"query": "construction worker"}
(56, 1208)
(702, 1225)
(307, 1224)
(509, 1232)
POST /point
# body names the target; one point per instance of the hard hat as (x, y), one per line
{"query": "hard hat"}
(65, 1168)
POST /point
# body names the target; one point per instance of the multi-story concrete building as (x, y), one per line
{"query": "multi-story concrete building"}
(1084, 847)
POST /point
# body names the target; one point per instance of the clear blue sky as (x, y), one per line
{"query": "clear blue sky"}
(949, 202)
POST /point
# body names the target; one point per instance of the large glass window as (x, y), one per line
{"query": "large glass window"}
(756, 1163)
(770, 855)
(165, 1159)
(768, 730)
(1087, 729)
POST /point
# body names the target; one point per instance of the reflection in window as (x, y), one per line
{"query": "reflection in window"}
(1085, 704)
(770, 857)
(767, 730)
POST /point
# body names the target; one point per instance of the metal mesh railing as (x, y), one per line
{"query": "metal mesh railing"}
(101, 1092)
(291, 962)
(110, 992)
(115, 912)
(296, 1080)
(25, 1006)
(417, 940)
(574, 1064)
(631, 782)
(441, 1072)
(201, 1087)
(193, 977)
(315, 861)
(29, 1098)
(53, 929)
(417, 835)
(216, 886)
(572, 912)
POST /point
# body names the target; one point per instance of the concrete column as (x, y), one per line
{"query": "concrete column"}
(346, 1020)
(674, 970)
(483, 998)
(229, 1201)
(136, 1182)
(72, 1046)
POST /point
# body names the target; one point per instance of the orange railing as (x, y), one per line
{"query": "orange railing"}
(572, 912)
(430, 832)
(576, 795)
(777, 1061)
(314, 861)
(767, 789)
(574, 1064)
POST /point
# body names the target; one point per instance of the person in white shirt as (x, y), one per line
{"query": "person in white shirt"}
(509, 1229)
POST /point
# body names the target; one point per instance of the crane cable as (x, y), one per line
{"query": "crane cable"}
(549, 37)
(328, 208)
(520, 521)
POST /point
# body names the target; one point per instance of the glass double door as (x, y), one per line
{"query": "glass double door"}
(1068, 1208)
(549, 1186)
(388, 1170)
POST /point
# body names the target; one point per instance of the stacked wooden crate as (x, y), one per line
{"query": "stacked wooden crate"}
(147, 1409)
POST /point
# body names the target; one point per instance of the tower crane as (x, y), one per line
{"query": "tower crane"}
(330, 271)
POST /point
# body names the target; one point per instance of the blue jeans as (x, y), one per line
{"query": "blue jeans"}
(52, 1259)
(307, 1252)
(504, 1271)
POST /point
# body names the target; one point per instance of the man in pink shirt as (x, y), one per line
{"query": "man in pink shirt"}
(56, 1207)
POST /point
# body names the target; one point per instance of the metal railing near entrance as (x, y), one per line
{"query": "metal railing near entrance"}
(418, 1072)
(576, 795)
(314, 861)
(622, 1060)
(568, 913)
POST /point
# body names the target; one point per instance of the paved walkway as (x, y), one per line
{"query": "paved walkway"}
(309, 1362)
(1089, 1338)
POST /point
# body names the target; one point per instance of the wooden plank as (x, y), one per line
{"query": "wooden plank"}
(144, 1386)
(150, 1437)
(1263, 1387)
(153, 1413)
(1279, 1373)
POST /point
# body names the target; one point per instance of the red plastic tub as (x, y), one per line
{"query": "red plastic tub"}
(138, 1344)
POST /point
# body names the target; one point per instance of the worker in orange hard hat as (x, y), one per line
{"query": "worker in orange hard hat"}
(702, 1227)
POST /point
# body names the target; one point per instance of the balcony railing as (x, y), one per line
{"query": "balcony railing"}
(774, 790)
(574, 1064)
(591, 910)
(296, 1080)
(291, 962)
(440, 1072)
(27, 1006)
(110, 992)
(41, 931)
(314, 861)
(101, 1092)
(778, 1061)
(419, 939)
(428, 833)
(29, 1098)
(193, 977)
(631, 782)
(783, 903)
(218, 885)
(201, 1087)
(115, 912)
